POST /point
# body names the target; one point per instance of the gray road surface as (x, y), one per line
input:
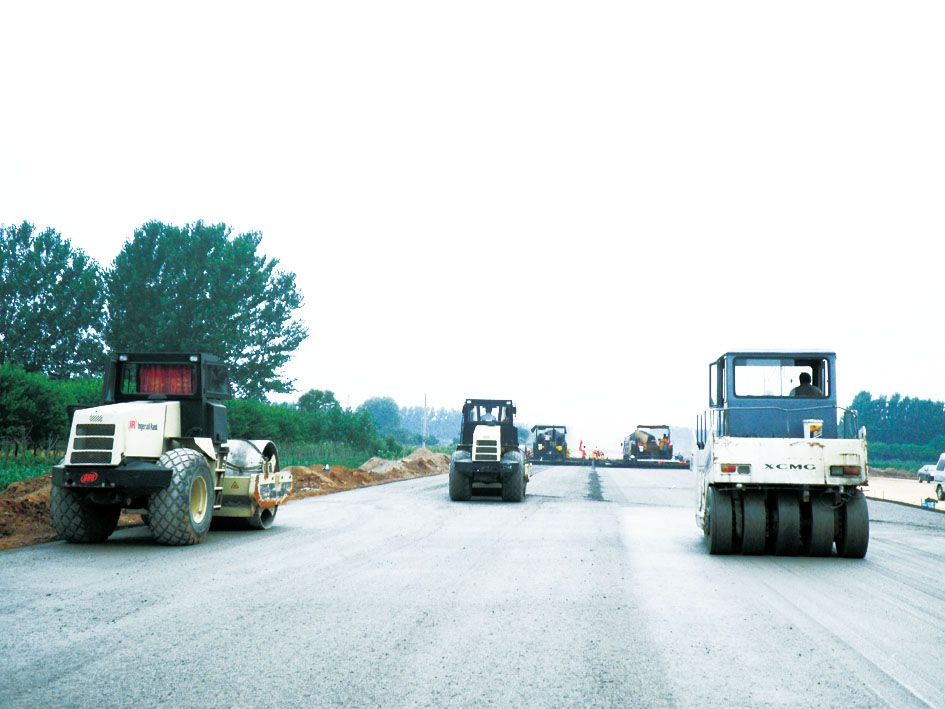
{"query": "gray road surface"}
(596, 591)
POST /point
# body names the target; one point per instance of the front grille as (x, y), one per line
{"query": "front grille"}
(486, 450)
(93, 444)
(86, 457)
(95, 429)
(95, 418)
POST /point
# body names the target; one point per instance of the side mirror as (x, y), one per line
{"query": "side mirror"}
(861, 434)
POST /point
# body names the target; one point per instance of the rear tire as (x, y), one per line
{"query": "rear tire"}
(79, 521)
(720, 524)
(180, 515)
(787, 541)
(854, 536)
(460, 485)
(513, 489)
(940, 492)
(755, 524)
(821, 526)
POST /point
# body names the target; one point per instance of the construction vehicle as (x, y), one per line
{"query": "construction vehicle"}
(651, 446)
(779, 465)
(488, 458)
(550, 442)
(158, 446)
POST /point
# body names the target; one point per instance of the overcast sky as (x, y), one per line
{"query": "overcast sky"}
(576, 205)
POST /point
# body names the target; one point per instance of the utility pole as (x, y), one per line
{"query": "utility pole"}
(423, 427)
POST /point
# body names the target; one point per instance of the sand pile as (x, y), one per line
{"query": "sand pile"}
(420, 462)
(317, 481)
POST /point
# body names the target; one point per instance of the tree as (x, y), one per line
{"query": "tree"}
(385, 413)
(316, 401)
(200, 288)
(51, 304)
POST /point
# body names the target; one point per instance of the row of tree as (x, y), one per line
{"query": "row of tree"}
(33, 415)
(197, 288)
(899, 420)
(902, 431)
(406, 424)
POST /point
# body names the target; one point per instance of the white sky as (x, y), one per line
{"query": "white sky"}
(576, 205)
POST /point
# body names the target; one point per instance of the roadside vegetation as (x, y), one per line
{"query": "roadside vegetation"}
(903, 432)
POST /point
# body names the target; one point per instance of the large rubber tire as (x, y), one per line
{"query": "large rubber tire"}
(854, 536)
(180, 515)
(822, 526)
(513, 489)
(79, 521)
(263, 518)
(719, 529)
(460, 485)
(755, 523)
(787, 528)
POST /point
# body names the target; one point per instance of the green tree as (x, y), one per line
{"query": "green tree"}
(199, 288)
(316, 401)
(385, 413)
(51, 304)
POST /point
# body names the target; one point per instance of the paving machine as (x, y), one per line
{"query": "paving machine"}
(550, 443)
(651, 446)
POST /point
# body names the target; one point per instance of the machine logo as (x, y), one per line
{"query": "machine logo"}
(134, 425)
(88, 478)
(790, 466)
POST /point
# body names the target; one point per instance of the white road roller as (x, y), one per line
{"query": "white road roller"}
(779, 465)
(158, 446)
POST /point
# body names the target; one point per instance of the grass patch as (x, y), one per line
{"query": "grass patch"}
(910, 466)
(309, 454)
(24, 467)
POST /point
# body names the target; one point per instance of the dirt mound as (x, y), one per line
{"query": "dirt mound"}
(24, 513)
(24, 506)
(318, 481)
(420, 462)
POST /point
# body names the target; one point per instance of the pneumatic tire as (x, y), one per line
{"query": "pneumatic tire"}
(180, 515)
(822, 525)
(460, 485)
(719, 528)
(79, 521)
(754, 524)
(513, 489)
(787, 534)
(854, 536)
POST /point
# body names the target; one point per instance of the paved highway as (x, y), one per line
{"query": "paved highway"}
(595, 591)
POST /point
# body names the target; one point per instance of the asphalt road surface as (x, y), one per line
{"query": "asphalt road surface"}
(595, 591)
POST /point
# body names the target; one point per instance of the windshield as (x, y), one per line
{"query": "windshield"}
(138, 378)
(781, 377)
(485, 413)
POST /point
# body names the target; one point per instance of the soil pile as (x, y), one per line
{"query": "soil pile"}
(24, 506)
(24, 513)
(317, 481)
